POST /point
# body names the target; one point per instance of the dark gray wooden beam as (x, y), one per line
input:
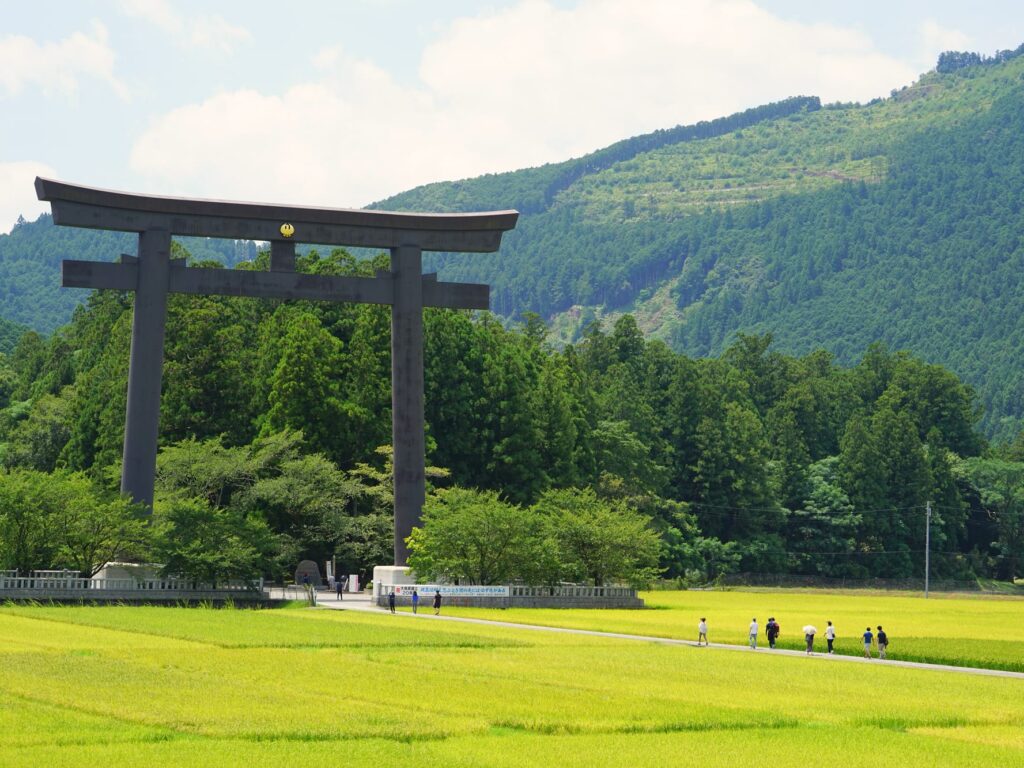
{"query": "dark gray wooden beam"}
(272, 285)
(78, 206)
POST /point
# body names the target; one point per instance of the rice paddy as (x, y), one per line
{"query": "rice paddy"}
(113, 686)
(972, 631)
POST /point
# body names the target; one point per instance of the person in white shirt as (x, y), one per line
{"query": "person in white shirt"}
(830, 636)
(702, 631)
(753, 633)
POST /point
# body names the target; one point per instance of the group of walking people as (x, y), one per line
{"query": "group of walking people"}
(415, 601)
(772, 631)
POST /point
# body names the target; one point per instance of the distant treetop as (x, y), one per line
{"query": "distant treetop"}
(951, 61)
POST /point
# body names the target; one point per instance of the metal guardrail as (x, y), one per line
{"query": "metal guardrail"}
(573, 591)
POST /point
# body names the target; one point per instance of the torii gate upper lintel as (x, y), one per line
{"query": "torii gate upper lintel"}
(153, 274)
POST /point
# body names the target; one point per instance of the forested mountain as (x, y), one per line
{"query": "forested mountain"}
(897, 221)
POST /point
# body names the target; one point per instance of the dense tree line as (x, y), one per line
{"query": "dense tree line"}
(276, 420)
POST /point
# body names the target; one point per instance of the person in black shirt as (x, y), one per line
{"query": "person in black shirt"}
(772, 631)
(883, 642)
(437, 602)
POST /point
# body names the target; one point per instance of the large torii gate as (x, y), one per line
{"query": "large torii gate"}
(152, 274)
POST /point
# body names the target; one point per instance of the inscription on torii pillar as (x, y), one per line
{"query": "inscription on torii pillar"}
(153, 274)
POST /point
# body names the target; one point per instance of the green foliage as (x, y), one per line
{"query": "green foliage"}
(599, 540)
(63, 520)
(474, 537)
(303, 498)
(996, 490)
(37, 439)
(568, 535)
(716, 455)
(210, 544)
(10, 333)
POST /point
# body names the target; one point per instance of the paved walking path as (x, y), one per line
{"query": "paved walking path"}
(362, 602)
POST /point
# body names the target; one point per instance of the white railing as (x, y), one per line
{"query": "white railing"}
(42, 584)
(572, 590)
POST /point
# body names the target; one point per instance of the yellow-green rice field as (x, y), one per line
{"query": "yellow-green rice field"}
(129, 686)
(973, 631)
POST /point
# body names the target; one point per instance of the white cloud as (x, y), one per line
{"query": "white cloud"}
(215, 32)
(521, 86)
(18, 194)
(935, 39)
(156, 12)
(203, 31)
(58, 67)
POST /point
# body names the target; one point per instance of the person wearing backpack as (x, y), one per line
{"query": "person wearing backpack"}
(883, 642)
(772, 630)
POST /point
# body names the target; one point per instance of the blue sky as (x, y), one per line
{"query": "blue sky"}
(344, 102)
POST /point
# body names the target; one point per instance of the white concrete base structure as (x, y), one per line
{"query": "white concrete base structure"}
(137, 571)
(389, 575)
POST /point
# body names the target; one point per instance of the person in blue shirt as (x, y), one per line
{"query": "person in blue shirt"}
(415, 600)
(868, 637)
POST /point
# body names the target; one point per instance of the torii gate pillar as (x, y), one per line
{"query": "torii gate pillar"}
(407, 423)
(145, 367)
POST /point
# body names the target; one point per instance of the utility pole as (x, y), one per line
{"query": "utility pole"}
(927, 545)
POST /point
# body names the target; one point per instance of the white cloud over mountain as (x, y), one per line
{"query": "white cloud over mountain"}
(520, 86)
(17, 197)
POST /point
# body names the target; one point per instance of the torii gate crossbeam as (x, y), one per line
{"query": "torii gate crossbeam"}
(153, 274)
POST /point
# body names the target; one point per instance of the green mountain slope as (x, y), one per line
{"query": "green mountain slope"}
(9, 335)
(30, 257)
(898, 221)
